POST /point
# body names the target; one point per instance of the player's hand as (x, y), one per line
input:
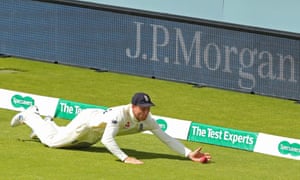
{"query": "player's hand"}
(198, 156)
(133, 160)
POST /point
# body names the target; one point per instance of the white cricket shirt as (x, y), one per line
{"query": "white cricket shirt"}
(121, 121)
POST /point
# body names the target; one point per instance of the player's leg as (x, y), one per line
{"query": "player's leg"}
(55, 136)
(75, 134)
(80, 132)
(49, 120)
(43, 130)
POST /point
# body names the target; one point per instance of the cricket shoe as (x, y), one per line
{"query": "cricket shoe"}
(19, 118)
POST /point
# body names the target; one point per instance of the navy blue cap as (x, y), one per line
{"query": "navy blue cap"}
(142, 99)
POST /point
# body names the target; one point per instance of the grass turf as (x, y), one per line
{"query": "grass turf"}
(22, 158)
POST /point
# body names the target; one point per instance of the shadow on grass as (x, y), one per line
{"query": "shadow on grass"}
(130, 152)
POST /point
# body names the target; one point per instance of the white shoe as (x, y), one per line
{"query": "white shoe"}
(18, 119)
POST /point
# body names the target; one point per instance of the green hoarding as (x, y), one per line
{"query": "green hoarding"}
(222, 136)
(69, 109)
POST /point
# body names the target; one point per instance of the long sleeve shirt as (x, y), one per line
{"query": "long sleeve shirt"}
(121, 121)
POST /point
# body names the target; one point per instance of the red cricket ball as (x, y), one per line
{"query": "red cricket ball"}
(203, 159)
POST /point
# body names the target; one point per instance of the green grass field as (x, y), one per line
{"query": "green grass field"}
(23, 158)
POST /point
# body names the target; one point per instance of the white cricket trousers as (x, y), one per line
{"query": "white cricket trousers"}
(79, 132)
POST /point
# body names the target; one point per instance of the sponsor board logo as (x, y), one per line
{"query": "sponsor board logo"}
(69, 109)
(19, 101)
(194, 50)
(222, 136)
(284, 147)
(162, 124)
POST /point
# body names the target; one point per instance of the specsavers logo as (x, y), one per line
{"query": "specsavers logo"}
(162, 124)
(19, 101)
(284, 147)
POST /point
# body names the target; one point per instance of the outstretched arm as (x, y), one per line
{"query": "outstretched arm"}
(175, 145)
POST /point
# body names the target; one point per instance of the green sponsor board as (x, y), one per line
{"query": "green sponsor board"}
(18, 101)
(69, 109)
(222, 136)
(286, 148)
(162, 124)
